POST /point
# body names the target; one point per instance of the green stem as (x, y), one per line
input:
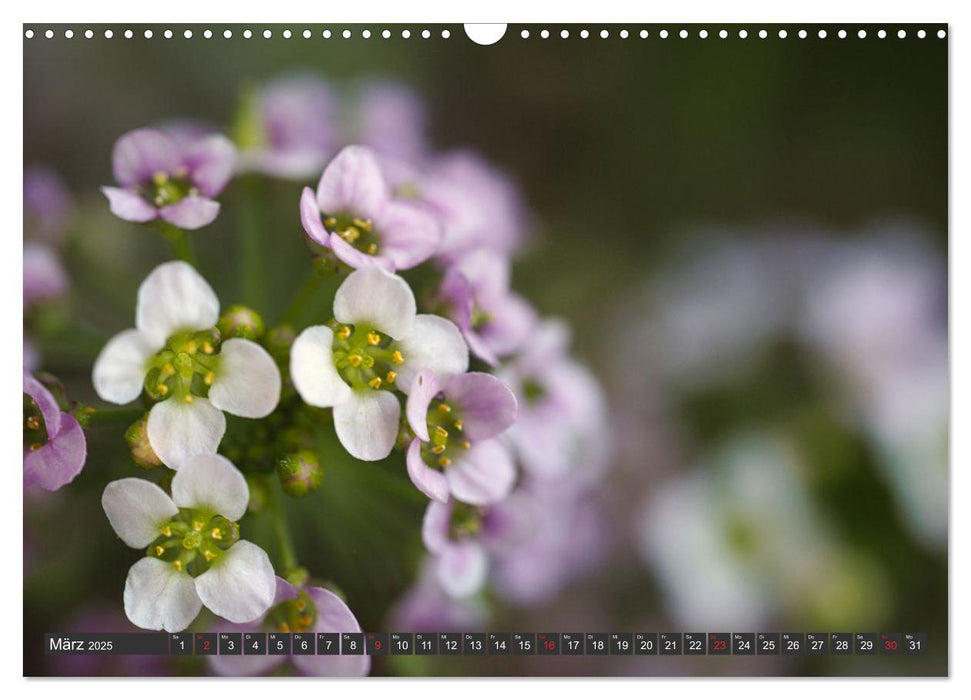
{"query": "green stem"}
(281, 528)
(251, 234)
(305, 294)
(181, 242)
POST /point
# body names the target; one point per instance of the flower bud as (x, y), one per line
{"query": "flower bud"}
(300, 473)
(141, 450)
(241, 322)
(278, 342)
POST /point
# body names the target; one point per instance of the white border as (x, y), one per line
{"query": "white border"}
(600, 11)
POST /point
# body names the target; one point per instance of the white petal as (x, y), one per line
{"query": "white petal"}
(312, 368)
(381, 300)
(137, 509)
(248, 381)
(119, 372)
(157, 597)
(462, 569)
(435, 344)
(175, 297)
(367, 423)
(179, 430)
(240, 585)
(211, 482)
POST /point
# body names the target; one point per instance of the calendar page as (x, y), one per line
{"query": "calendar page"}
(516, 350)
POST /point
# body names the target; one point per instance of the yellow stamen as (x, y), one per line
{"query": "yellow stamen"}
(397, 357)
(440, 431)
(33, 423)
(168, 369)
(375, 383)
(458, 425)
(373, 338)
(209, 555)
(372, 249)
(190, 347)
(444, 407)
(363, 224)
(162, 389)
(209, 378)
(444, 461)
(216, 533)
(351, 234)
(207, 348)
(344, 333)
(160, 178)
(301, 605)
(159, 550)
(330, 222)
(305, 620)
(189, 398)
(35, 446)
(284, 627)
(167, 531)
(392, 375)
(197, 525)
(438, 449)
(466, 445)
(177, 565)
(355, 359)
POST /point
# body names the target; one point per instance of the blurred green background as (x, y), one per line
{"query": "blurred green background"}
(617, 145)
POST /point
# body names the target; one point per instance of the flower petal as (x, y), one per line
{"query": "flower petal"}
(140, 154)
(137, 509)
(430, 482)
(409, 235)
(353, 184)
(157, 597)
(174, 297)
(248, 381)
(179, 430)
(367, 423)
(462, 568)
(436, 344)
(49, 408)
(312, 368)
(60, 460)
(513, 319)
(487, 406)
(284, 591)
(484, 475)
(212, 483)
(128, 205)
(239, 585)
(310, 218)
(191, 212)
(211, 161)
(119, 372)
(352, 257)
(420, 395)
(374, 297)
(333, 615)
(435, 526)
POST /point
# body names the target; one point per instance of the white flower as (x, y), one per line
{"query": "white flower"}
(380, 342)
(194, 558)
(173, 335)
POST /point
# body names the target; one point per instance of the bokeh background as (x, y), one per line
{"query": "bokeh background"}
(749, 239)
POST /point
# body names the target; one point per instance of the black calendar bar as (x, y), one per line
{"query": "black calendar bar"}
(653, 644)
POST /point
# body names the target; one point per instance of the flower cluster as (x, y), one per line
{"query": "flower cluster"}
(463, 385)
